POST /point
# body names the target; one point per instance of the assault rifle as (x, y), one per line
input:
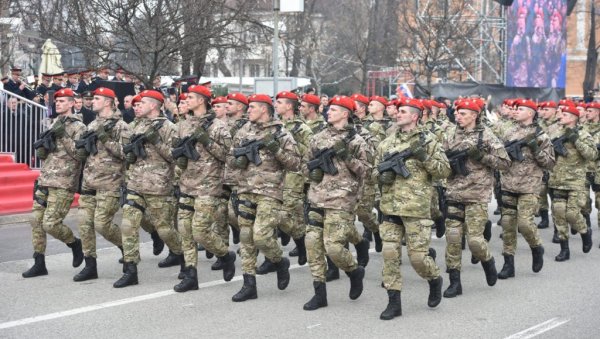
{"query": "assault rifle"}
(249, 149)
(395, 162)
(46, 141)
(136, 145)
(186, 148)
(88, 139)
(323, 159)
(559, 144)
(458, 160)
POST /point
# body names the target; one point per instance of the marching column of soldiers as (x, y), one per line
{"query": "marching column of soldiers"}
(275, 168)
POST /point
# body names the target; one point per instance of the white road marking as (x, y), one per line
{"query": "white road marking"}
(539, 329)
(313, 326)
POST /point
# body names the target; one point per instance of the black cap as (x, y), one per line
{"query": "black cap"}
(88, 94)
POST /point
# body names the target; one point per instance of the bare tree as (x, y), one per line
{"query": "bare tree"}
(591, 63)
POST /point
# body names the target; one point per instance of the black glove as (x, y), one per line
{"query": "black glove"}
(419, 151)
(152, 136)
(82, 154)
(387, 177)
(316, 175)
(571, 135)
(241, 162)
(58, 128)
(476, 153)
(182, 162)
(102, 134)
(341, 151)
(271, 143)
(41, 153)
(202, 136)
(533, 145)
(130, 158)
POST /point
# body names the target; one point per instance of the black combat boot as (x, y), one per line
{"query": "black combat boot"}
(538, 258)
(228, 261)
(285, 238)
(508, 270)
(491, 275)
(333, 272)
(266, 267)
(463, 242)
(235, 234)
(367, 234)
(497, 210)
(130, 276)
(487, 231)
(474, 260)
(217, 265)
(182, 274)
(319, 299)
(77, 250)
(171, 260)
(200, 247)
(121, 259)
(455, 287)
(555, 238)
(182, 268)
(544, 223)
(38, 268)
(301, 251)
(157, 243)
(586, 239)
(394, 307)
(362, 252)
(89, 271)
(432, 253)
(440, 227)
(189, 282)
(283, 273)
(293, 252)
(248, 290)
(209, 254)
(435, 292)
(356, 282)
(564, 254)
(378, 242)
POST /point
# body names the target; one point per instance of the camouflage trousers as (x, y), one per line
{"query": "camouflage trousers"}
(198, 224)
(418, 237)
(96, 213)
(259, 217)
(587, 209)
(221, 225)
(364, 209)
(231, 217)
(473, 217)
(518, 213)
(292, 209)
(566, 210)
(434, 208)
(49, 218)
(328, 234)
(160, 212)
(544, 197)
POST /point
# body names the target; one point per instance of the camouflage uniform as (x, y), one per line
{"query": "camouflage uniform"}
(406, 206)
(260, 190)
(316, 125)
(439, 185)
(593, 128)
(150, 189)
(567, 183)
(468, 196)
(547, 126)
(103, 175)
(231, 174)
(56, 186)
(364, 209)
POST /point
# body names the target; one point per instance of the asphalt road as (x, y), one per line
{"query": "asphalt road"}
(559, 302)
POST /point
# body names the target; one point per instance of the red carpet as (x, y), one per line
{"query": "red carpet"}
(16, 186)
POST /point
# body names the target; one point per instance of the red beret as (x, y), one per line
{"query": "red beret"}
(261, 98)
(380, 99)
(150, 93)
(570, 109)
(136, 99)
(426, 103)
(199, 89)
(508, 102)
(65, 92)
(471, 105)
(549, 104)
(566, 102)
(401, 101)
(360, 98)
(105, 92)
(440, 105)
(286, 95)
(343, 101)
(182, 96)
(219, 100)
(527, 103)
(594, 104)
(392, 102)
(582, 104)
(239, 97)
(311, 99)
(416, 103)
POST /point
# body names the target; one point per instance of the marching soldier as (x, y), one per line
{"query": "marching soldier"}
(547, 113)
(593, 115)
(309, 106)
(103, 175)
(207, 136)
(332, 198)
(404, 202)
(478, 152)
(376, 111)
(573, 147)
(264, 151)
(531, 153)
(59, 179)
(149, 186)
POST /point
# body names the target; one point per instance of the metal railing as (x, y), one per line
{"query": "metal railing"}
(21, 123)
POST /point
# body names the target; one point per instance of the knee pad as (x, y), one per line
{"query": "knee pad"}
(417, 260)
(245, 234)
(390, 251)
(453, 235)
(572, 217)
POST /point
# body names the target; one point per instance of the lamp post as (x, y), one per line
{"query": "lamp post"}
(275, 46)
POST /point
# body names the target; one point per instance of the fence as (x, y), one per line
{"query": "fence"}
(22, 121)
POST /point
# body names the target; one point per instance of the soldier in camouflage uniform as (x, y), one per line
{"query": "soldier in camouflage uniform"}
(103, 175)
(532, 155)
(547, 113)
(405, 204)
(567, 180)
(309, 106)
(201, 190)
(469, 192)
(150, 185)
(593, 128)
(264, 152)
(376, 108)
(593, 115)
(332, 198)
(56, 186)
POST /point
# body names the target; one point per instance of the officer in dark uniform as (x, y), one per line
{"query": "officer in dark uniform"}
(16, 85)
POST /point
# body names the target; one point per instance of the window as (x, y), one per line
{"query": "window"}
(254, 70)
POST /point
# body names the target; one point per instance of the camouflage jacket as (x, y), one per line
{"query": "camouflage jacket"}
(376, 129)
(154, 175)
(341, 191)
(62, 168)
(569, 171)
(301, 133)
(411, 196)
(106, 170)
(477, 186)
(267, 178)
(317, 125)
(203, 177)
(231, 175)
(526, 176)
(593, 128)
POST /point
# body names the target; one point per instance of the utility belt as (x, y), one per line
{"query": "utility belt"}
(88, 192)
(459, 206)
(308, 220)
(37, 188)
(244, 214)
(185, 206)
(509, 194)
(394, 219)
(558, 194)
(132, 203)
